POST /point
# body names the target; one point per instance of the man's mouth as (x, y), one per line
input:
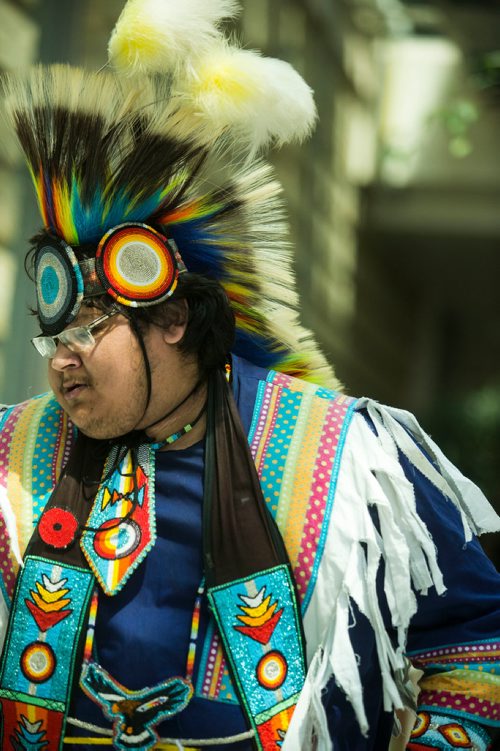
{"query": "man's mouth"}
(73, 389)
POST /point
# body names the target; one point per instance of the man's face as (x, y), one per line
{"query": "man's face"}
(103, 390)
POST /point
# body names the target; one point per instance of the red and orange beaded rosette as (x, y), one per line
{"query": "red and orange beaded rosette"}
(136, 265)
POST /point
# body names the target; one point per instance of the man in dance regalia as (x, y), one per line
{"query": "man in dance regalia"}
(205, 542)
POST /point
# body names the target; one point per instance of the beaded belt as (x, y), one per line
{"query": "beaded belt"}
(99, 741)
(103, 737)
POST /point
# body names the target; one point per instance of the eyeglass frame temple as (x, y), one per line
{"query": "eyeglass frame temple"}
(88, 327)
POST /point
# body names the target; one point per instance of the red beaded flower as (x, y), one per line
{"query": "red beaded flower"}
(57, 527)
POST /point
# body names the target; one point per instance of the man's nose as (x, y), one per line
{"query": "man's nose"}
(65, 358)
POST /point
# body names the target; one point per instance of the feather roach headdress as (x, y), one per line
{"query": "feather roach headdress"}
(162, 151)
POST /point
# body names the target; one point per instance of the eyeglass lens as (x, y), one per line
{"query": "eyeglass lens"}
(77, 339)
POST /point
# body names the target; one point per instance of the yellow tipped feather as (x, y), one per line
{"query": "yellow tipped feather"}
(159, 36)
(258, 100)
(253, 101)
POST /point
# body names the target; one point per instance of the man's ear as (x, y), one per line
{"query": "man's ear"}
(173, 333)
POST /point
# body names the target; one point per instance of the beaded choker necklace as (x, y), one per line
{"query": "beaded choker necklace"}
(177, 406)
(169, 440)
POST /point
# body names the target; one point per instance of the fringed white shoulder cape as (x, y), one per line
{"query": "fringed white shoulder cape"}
(372, 478)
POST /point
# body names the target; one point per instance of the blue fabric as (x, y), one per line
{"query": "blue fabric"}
(470, 607)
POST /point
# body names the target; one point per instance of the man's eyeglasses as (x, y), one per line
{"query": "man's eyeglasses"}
(77, 339)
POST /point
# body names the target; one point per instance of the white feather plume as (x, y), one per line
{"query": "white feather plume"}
(257, 100)
(159, 36)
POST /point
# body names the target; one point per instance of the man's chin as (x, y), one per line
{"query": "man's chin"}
(88, 423)
(99, 431)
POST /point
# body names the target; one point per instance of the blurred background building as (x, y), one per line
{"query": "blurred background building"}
(394, 203)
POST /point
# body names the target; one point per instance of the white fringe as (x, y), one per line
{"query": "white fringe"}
(478, 516)
(371, 476)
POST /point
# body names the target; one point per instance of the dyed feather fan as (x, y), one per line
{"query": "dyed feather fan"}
(94, 151)
(101, 153)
